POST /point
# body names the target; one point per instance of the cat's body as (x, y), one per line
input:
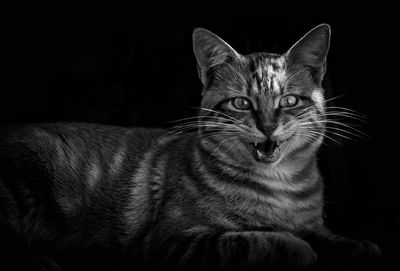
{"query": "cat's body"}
(201, 199)
(85, 169)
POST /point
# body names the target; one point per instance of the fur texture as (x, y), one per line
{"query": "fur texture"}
(236, 187)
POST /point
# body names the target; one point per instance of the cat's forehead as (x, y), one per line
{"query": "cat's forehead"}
(267, 73)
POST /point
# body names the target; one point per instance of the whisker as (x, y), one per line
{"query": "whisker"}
(220, 125)
(199, 118)
(329, 129)
(343, 109)
(315, 134)
(324, 135)
(338, 134)
(220, 144)
(214, 111)
(229, 133)
(338, 114)
(311, 137)
(210, 126)
(343, 125)
(304, 113)
(343, 115)
(359, 134)
(207, 122)
(336, 97)
(209, 129)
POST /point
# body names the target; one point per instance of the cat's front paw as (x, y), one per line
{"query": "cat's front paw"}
(361, 255)
(358, 249)
(294, 253)
(366, 248)
(265, 251)
(349, 254)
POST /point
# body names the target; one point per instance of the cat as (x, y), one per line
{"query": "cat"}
(235, 188)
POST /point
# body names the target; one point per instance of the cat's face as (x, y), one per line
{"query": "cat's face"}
(262, 107)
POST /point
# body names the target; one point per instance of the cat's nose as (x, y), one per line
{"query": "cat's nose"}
(268, 130)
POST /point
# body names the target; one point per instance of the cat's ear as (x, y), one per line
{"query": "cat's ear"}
(311, 50)
(210, 51)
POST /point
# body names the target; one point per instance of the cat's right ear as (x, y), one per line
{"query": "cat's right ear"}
(210, 51)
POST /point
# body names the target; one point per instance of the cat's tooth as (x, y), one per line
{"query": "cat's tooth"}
(259, 153)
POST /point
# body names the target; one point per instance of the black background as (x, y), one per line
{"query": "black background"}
(127, 70)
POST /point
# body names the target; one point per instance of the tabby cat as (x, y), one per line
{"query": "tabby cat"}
(235, 188)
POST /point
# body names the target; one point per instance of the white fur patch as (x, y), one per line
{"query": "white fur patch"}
(280, 62)
(94, 174)
(117, 161)
(275, 77)
(318, 98)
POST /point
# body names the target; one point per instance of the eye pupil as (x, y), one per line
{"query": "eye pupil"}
(289, 100)
(241, 103)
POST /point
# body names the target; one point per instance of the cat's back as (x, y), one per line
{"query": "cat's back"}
(78, 151)
(64, 142)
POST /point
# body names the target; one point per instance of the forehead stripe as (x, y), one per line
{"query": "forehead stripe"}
(268, 75)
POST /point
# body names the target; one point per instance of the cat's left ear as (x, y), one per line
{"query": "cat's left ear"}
(311, 51)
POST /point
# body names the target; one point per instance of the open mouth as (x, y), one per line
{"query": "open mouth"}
(268, 151)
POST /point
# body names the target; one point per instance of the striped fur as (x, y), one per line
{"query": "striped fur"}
(185, 199)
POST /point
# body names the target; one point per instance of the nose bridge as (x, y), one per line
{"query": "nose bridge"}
(266, 119)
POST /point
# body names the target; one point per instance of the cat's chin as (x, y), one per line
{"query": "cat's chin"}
(268, 151)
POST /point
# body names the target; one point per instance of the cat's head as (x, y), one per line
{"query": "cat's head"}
(262, 107)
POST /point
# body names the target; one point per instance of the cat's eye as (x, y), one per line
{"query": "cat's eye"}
(241, 103)
(289, 101)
